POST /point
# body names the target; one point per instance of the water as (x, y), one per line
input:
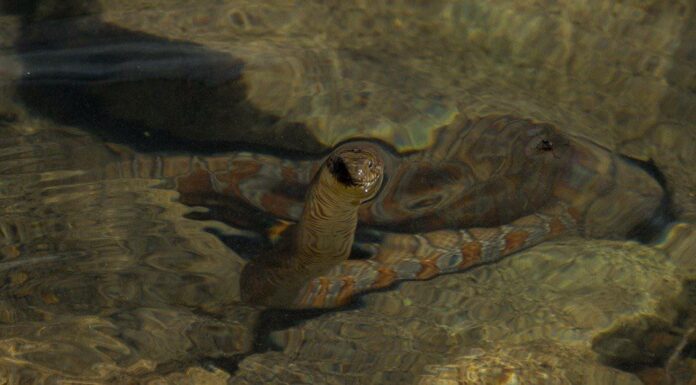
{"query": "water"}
(119, 266)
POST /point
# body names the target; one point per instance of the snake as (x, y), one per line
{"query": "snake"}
(323, 237)
(486, 188)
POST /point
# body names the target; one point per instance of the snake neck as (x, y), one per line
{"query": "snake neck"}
(326, 228)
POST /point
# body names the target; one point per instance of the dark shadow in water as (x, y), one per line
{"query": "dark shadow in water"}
(653, 228)
(645, 341)
(25, 8)
(275, 320)
(7, 118)
(272, 320)
(149, 92)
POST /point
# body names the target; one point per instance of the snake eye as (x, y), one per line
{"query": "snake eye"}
(370, 164)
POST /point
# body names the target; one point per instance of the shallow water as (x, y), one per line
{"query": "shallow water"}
(111, 275)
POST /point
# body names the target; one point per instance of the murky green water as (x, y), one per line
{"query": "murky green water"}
(120, 263)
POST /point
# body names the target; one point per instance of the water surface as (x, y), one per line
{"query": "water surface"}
(109, 277)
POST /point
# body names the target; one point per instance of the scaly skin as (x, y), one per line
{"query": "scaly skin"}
(485, 189)
(323, 237)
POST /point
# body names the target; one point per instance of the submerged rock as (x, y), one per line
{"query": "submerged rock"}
(553, 298)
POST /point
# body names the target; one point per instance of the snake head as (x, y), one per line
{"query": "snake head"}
(358, 168)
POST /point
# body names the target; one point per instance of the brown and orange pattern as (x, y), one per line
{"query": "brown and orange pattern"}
(488, 187)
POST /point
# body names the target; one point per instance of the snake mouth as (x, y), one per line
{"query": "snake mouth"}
(339, 170)
(355, 168)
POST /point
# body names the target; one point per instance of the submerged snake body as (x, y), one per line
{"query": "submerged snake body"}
(487, 188)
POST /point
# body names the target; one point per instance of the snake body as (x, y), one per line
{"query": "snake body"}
(488, 187)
